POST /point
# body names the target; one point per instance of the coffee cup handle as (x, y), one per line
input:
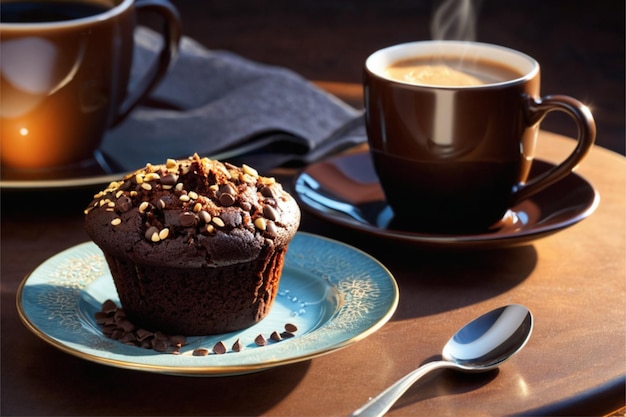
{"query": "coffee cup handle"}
(171, 33)
(537, 109)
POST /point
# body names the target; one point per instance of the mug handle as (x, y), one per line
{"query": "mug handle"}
(171, 33)
(537, 109)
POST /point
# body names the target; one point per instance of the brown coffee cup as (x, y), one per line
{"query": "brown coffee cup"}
(452, 128)
(65, 73)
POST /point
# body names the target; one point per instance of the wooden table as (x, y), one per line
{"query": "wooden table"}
(573, 281)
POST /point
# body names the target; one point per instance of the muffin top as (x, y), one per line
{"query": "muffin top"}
(194, 212)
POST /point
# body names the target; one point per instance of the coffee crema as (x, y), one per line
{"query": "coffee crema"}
(450, 71)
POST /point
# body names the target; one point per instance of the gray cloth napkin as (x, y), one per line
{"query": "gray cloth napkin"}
(223, 106)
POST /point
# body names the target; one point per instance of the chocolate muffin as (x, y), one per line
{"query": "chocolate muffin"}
(195, 246)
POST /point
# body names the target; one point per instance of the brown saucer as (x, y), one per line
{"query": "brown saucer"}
(88, 173)
(345, 190)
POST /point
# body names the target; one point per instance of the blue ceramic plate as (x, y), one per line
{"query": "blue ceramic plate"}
(334, 293)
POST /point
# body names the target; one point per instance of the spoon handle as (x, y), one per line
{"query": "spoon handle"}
(379, 405)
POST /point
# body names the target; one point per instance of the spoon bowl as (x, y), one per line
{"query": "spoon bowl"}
(481, 345)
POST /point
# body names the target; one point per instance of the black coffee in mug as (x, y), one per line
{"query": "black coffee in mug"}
(48, 11)
(452, 130)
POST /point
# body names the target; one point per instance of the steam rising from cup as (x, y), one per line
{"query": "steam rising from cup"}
(455, 20)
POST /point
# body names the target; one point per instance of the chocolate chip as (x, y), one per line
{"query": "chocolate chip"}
(169, 179)
(237, 346)
(260, 340)
(108, 329)
(200, 352)
(126, 325)
(123, 204)
(151, 232)
(267, 192)
(187, 219)
(101, 317)
(143, 334)
(109, 306)
(226, 194)
(227, 189)
(128, 338)
(275, 336)
(227, 199)
(159, 345)
(219, 348)
(270, 213)
(271, 229)
(291, 328)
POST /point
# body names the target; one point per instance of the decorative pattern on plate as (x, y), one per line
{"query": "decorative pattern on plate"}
(335, 294)
(67, 280)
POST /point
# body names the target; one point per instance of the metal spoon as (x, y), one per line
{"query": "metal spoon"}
(481, 345)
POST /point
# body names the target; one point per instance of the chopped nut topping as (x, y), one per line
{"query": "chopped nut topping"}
(249, 170)
(260, 223)
(193, 198)
(152, 176)
(163, 234)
